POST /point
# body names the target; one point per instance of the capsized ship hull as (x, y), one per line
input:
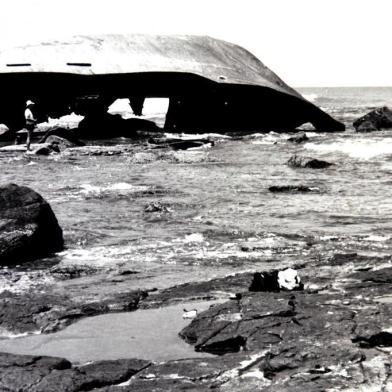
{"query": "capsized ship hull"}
(212, 85)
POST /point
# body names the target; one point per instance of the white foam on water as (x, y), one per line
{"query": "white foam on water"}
(191, 136)
(194, 237)
(5, 334)
(377, 238)
(310, 97)
(362, 149)
(269, 138)
(120, 187)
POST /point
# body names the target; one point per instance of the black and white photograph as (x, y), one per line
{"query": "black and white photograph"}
(195, 196)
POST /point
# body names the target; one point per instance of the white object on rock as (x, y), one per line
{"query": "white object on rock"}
(189, 314)
(288, 279)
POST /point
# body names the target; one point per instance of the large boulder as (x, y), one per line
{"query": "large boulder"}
(28, 226)
(380, 118)
(50, 374)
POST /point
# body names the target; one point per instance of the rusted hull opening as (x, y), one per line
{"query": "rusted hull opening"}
(196, 103)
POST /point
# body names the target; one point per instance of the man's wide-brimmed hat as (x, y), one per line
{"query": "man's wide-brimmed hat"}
(29, 102)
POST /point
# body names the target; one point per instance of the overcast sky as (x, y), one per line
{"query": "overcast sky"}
(306, 42)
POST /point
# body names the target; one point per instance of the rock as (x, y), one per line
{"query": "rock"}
(28, 226)
(61, 142)
(291, 189)
(383, 276)
(65, 272)
(298, 138)
(50, 374)
(217, 288)
(342, 258)
(46, 149)
(307, 162)
(260, 320)
(155, 206)
(275, 280)
(50, 312)
(380, 118)
(365, 126)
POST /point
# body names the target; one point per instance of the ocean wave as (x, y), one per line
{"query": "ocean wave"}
(119, 187)
(362, 149)
(192, 249)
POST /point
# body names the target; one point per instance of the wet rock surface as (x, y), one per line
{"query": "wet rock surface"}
(45, 374)
(303, 162)
(28, 226)
(376, 120)
(335, 334)
(49, 312)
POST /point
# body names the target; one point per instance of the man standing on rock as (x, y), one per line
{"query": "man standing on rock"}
(31, 122)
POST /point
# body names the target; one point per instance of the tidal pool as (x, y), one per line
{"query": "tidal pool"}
(147, 334)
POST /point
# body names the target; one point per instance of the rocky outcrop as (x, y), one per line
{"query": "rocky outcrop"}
(50, 312)
(260, 320)
(51, 374)
(307, 162)
(28, 227)
(328, 338)
(375, 120)
(276, 280)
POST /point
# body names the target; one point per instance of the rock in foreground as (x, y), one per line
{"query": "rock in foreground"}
(50, 374)
(307, 162)
(28, 226)
(375, 120)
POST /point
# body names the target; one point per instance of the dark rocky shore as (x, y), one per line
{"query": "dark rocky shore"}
(335, 333)
(332, 332)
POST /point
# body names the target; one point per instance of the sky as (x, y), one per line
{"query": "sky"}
(306, 42)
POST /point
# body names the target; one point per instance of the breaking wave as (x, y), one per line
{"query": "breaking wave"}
(362, 149)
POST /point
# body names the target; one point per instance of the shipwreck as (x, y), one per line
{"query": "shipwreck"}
(212, 85)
